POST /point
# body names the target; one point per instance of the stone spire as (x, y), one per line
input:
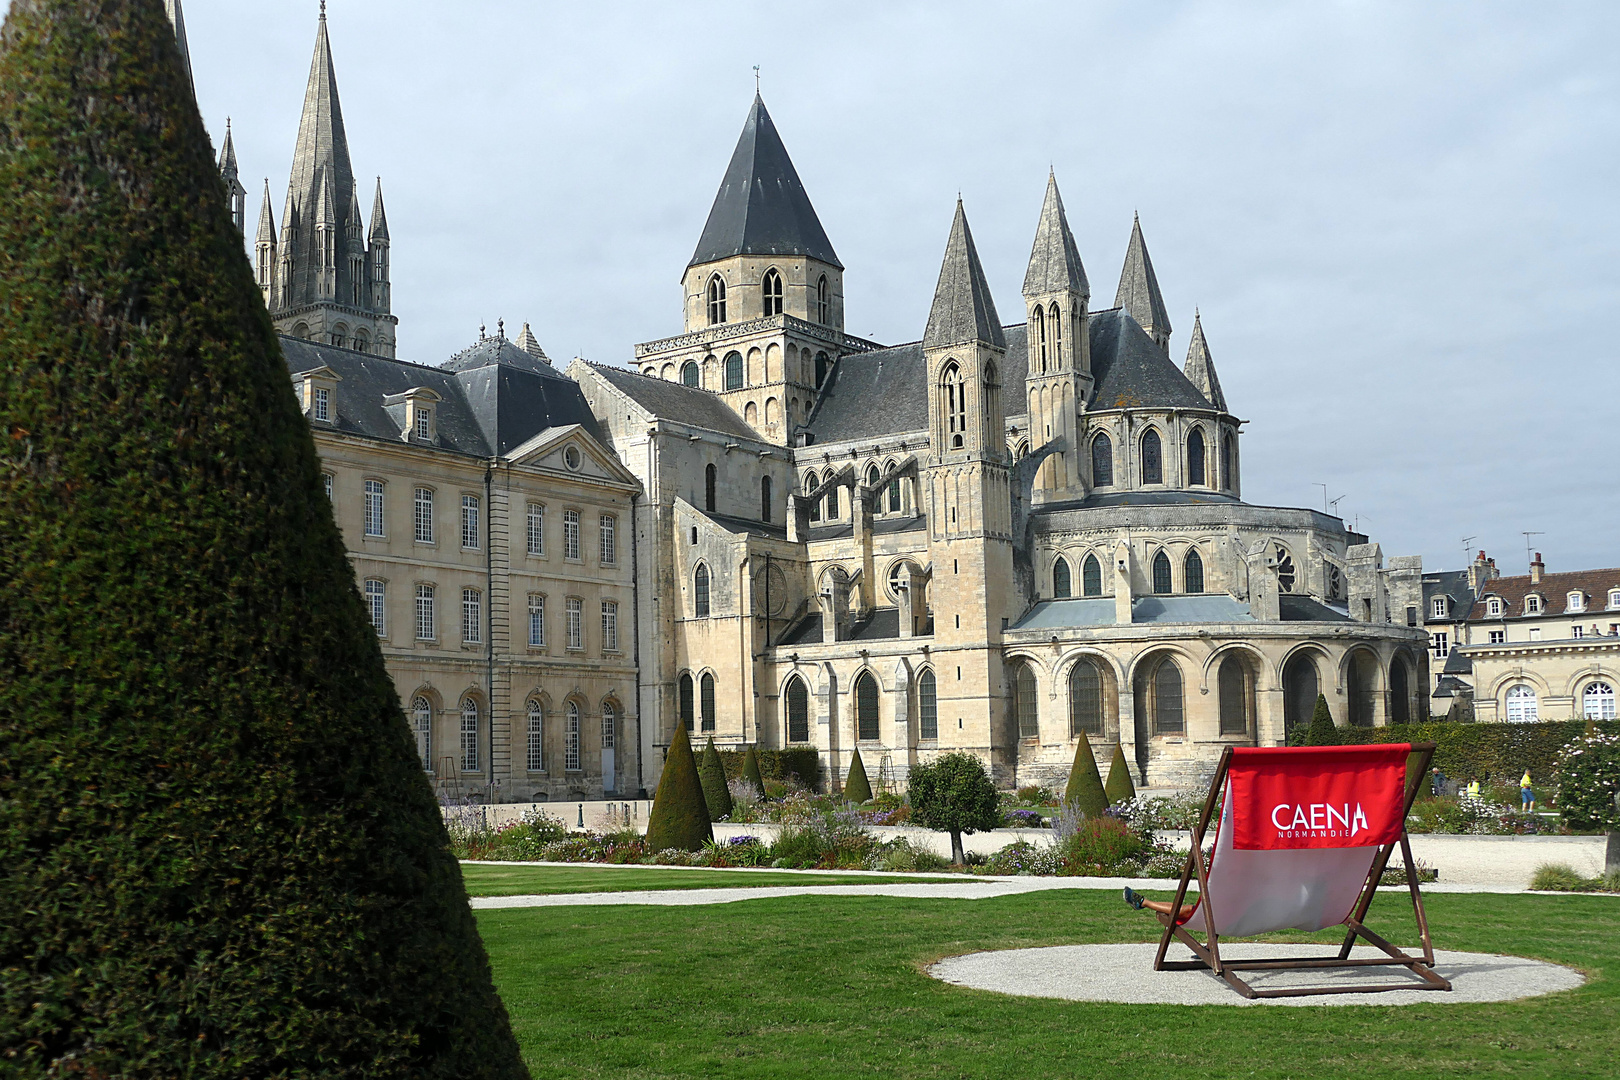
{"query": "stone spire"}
(1200, 368)
(267, 220)
(229, 172)
(531, 345)
(264, 250)
(963, 310)
(1054, 261)
(1139, 290)
(178, 18)
(320, 170)
(379, 218)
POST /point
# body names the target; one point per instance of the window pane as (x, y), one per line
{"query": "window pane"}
(537, 737)
(472, 616)
(610, 626)
(1060, 578)
(571, 739)
(570, 534)
(700, 590)
(1161, 574)
(1085, 699)
(426, 623)
(576, 623)
(1102, 461)
(927, 707)
(1195, 572)
(377, 607)
(707, 700)
(1167, 699)
(610, 721)
(424, 516)
(1092, 576)
(1234, 697)
(1152, 465)
(469, 736)
(610, 547)
(798, 712)
(537, 621)
(422, 721)
(1024, 702)
(374, 507)
(469, 521)
(866, 706)
(688, 712)
(537, 529)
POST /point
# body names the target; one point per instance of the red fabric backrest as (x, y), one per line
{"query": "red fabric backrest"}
(1317, 796)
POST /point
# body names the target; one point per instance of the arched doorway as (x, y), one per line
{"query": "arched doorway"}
(1300, 690)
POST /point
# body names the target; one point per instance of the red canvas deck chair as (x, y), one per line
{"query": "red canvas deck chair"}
(1303, 839)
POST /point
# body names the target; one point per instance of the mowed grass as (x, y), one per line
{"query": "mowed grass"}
(485, 880)
(829, 987)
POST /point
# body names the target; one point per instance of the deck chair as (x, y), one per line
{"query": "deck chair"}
(1302, 842)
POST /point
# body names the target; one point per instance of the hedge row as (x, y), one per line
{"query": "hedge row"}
(800, 762)
(1487, 751)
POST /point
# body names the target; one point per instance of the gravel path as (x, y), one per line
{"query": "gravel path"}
(1124, 974)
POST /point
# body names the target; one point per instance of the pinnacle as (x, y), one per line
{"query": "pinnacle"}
(1200, 366)
(267, 221)
(963, 310)
(1054, 261)
(1138, 291)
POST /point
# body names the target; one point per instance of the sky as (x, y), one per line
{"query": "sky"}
(1399, 220)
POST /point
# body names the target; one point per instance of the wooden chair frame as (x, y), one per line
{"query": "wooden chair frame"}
(1208, 952)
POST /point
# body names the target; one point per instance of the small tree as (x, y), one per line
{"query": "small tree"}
(1121, 788)
(750, 772)
(1322, 732)
(1589, 780)
(1085, 790)
(857, 789)
(679, 817)
(953, 794)
(712, 774)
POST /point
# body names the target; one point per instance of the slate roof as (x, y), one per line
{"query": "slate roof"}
(499, 350)
(676, 401)
(1054, 260)
(1138, 290)
(1458, 663)
(880, 624)
(1200, 367)
(762, 207)
(1130, 371)
(1297, 608)
(963, 310)
(1452, 583)
(1065, 614)
(1141, 498)
(881, 526)
(1595, 584)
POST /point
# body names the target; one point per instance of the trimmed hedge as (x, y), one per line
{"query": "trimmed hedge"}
(750, 772)
(1121, 788)
(857, 788)
(802, 763)
(712, 774)
(221, 858)
(1321, 731)
(1496, 751)
(1085, 789)
(679, 817)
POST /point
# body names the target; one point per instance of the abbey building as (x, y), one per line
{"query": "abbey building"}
(999, 538)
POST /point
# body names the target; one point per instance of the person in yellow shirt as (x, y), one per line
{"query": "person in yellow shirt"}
(1473, 787)
(1527, 797)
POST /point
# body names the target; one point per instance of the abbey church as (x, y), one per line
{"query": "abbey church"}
(999, 538)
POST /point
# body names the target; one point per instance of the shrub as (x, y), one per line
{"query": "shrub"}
(1085, 788)
(1588, 781)
(795, 764)
(745, 800)
(1121, 788)
(1488, 750)
(1559, 877)
(517, 841)
(1022, 819)
(679, 818)
(901, 854)
(221, 857)
(1101, 845)
(857, 789)
(828, 840)
(1322, 732)
(716, 795)
(1036, 796)
(1024, 857)
(750, 772)
(953, 794)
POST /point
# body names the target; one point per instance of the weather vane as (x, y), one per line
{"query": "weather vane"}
(756, 75)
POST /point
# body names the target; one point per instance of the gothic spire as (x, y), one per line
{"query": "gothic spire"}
(963, 310)
(322, 180)
(227, 155)
(379, 218)
(1139, 289)
(1054, 262)
(762, 207)
(267, 220)
(1200, 368)
(178, 18)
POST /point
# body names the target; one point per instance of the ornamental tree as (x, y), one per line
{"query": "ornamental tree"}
(221, 856)
(679, 817)
(1322, 732)
(1121, 788)
(712, 774)
(857, 788)
(953, 794)
(750, 772)
(1085, 791)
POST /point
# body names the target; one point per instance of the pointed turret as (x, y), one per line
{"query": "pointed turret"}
(762, 207)
(963, 310)
(1054, 261)
(264, 250)
(233, 180)
(1200, 368)
(531, 345)
(1139, 290)
(377, 256)
(178, 18)
(267, 219)
(379, 217)
(327, 236)
(321, 175)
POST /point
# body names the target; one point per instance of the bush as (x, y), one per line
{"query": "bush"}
(1085, 788)
(679, 818)
(517, 841)
(220, 855)
(1100, 846)
(829, 841)
(902, 855)
(1024, 857)
(1558, 877)
(857, 789)
(1488, 750)
(745, 800)
(1588, 781)
(1121, 788)
(954, 794)
(1322, 732)
(796, 764)
(712, 775)
(1022, 819)
(1036, 796)
(750, 773)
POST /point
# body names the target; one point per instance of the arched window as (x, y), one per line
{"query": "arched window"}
(469, 735)
(821, 366)
(1091, 576)
(823, 305)
(1152, 459)
(1236, 693)
(1024, 712)
(1061, 588)
(710, 479)
(798, 711)
(700, 591)
(687, 705)
(1299, 692)
(422, 721)
(810, 483)
(1597, 702)
(1400, 694)
(689, 374)
(1037, 323)
(1102, 461)
(610, 724)
(927, 707)
(832, 502)
(362, 341)
(1167, 712)
(1054, 322)
(771, 290)
(1194, 575)
(537, 737)
(1085, 699)
(706, 699)
(734, 371)
(1226, 462)
(1521, 705)
(866, 706)
(1195, 459)
(895, 504)
(954, 392)
(571, 739)
(992, 395)
(1362, 689)
(765, 498)
(1161, 574)
(717, 300)
(873, 477)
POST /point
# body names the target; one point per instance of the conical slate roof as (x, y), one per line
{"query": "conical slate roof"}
(963, 311)
(267, 221)
(1200, 369)
(1139, 287)
(1054, 262)
(762, 207)
(379, 217)
(227, 154)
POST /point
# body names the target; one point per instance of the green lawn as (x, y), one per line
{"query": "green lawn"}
(545, 880)
(829, 987)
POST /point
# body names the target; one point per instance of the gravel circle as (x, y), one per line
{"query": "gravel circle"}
(1124, 974)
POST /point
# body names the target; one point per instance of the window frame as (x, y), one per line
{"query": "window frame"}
(706, 702)
(376, 594)
(471, 507)
(1192, 572)
(1082, 698)
(701, 584)
(609, 527)
(797, 701)
(535, 529)
(1102, 460)
(571, 548)
(1521, 704)
(1151, 448)
(716, 299)
(610, 626)
(1062, 579)
(1091, 569)
(770, 291)
(471, 743)
(472, 616)
(537, 620)
(422, 515)
(571, 739)
(427, 615)
(1163, 724)
(928, 706)
(868, 709)
(574, 624)
(374, 507)
(535, 756)
(422, 728)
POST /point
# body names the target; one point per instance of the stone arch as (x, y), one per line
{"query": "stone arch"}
(1501, 684)
(797, 711)
(756, 366)
(866, 701)
(1301, 672)
(1361, 673)
(1237, 677)
(773, 363)
(773, 412)
(1071, 669)
(751, 415)
(667, 373)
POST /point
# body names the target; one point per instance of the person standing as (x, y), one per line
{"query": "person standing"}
(1527, 796)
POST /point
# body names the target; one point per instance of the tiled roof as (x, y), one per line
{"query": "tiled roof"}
(1555, 588)
(678, 402)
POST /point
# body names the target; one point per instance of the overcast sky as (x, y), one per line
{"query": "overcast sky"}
(1399, 219)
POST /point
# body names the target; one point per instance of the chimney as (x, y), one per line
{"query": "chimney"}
(1537, 568)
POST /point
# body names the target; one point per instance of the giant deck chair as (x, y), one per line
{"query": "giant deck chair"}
(1303, 839)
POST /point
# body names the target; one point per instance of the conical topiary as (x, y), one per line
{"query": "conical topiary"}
(716, 795)
(221, 855)
(1322, 732)
(679, 817)
(857, 789)
(1121, 788)
(1085, 788)
(750, 772)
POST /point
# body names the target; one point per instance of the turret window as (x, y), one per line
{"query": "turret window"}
(1060, 579)
(810, 483)
(1161, 574)
(955, 393)
(821, 365)
(1194, 578)
(1054, 320)
(734, 371)
(717, 300)
(1195, 459)
(1152, 459)
(1226, 462)
(823, 305)
(1091, 576)
(1102, 461)
(771, 288)
(1037, 322)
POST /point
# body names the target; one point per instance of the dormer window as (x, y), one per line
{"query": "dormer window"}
(1614, 599)
(1577, 601)
(323, 404)
(1493, 608)
(1532, 605)
(1439, 607)
(415, 413)
(317, 389)
(424, 423)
